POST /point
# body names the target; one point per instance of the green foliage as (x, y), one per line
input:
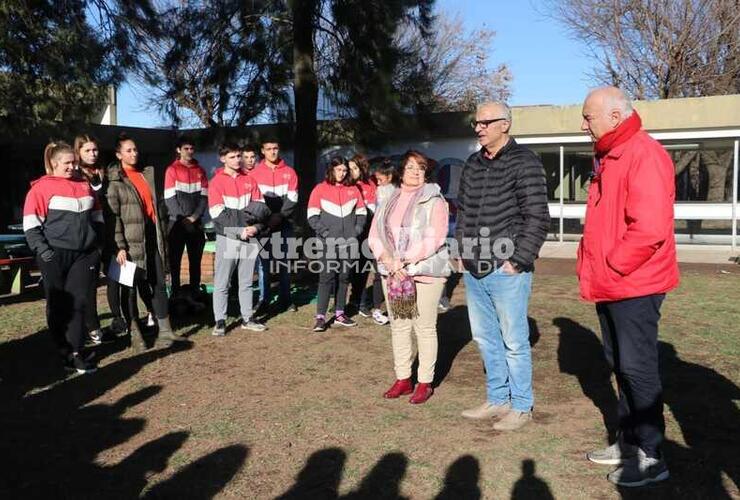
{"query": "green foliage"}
(363, 79)
(226, 62)
(57, 57)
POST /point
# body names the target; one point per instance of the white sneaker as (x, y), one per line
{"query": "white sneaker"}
(379, 317)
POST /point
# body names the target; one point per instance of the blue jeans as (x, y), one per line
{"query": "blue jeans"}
(497, 308)
(264, 275)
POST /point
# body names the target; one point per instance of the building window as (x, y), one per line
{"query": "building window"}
(703, 170)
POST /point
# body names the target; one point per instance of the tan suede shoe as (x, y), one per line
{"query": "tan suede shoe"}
(487, 410)
(513, 420)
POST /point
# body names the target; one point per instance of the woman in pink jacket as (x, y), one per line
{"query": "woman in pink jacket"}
(407, 237)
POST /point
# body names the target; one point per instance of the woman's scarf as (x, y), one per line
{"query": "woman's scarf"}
(401, 291)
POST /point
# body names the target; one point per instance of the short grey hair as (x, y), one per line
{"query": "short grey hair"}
(501, 105)
(616, 99)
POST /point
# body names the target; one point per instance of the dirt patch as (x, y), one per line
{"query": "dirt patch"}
(290, 414)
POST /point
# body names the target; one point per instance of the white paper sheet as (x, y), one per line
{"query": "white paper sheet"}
(122, 274)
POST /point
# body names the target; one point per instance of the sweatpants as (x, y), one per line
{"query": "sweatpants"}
(423, 328)
(179, 238)
(92, 321)
(67, 279)
(233, 254)
(629, 330)
(333, 270)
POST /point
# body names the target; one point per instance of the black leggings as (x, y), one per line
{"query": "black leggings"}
(333, 271)
(150, 284)
(67, 274)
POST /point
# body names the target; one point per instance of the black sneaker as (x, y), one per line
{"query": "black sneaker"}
(220, 329)
(364, 312)
(343, 320)
(118, 326)
(253, 325)
(98, 337)
(95, 337)
(292, 308)
(260, 309)
(320, 325)
(78, 363)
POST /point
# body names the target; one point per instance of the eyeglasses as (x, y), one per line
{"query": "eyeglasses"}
(485, 123)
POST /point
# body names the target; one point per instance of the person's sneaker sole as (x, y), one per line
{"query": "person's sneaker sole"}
(365, 314)
(253, 328)
(345, 325)
(607, 461)
(645, 481)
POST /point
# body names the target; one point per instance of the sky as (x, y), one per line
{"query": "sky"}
(547, 65)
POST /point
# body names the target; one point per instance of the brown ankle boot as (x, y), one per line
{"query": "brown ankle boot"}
(137, 339)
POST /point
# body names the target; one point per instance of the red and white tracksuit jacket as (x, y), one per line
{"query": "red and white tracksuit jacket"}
(235, 202)
(61, 213)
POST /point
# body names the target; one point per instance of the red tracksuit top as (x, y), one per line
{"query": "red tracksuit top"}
(61, 213)
(185, 190)
(337, 211)
(235, 203)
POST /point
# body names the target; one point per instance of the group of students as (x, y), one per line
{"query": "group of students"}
(82, 217)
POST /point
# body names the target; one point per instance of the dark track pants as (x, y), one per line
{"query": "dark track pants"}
(630, 334)
(67, 279)
(180, 237)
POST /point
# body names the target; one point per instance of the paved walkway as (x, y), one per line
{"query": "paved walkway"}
(697, 254)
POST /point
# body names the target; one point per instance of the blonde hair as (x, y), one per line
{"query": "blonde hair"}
(52, 150)
(80, 141)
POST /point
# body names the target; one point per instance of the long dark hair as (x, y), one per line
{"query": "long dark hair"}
(361, 161)
(335, 162)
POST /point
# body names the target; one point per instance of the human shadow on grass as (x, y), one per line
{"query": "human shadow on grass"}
(581, 354)
(453, 334)
(700, 399)
(55, 435)
(320, 477)
(529, 486)
(461, 480)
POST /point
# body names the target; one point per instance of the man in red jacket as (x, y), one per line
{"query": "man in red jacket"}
(626, 264)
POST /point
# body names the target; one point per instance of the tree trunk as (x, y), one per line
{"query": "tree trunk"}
(306, 94)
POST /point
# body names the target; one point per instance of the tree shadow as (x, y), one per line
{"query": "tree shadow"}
(55, 434)
(529, 486)
(461, 480)
(580, 353)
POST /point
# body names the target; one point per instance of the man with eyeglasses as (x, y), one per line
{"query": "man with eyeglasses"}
(502, 221)
(626, 264)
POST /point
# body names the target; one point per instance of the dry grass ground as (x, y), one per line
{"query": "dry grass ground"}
(300, 415)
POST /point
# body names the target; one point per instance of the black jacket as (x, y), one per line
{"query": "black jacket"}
(508, 196)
